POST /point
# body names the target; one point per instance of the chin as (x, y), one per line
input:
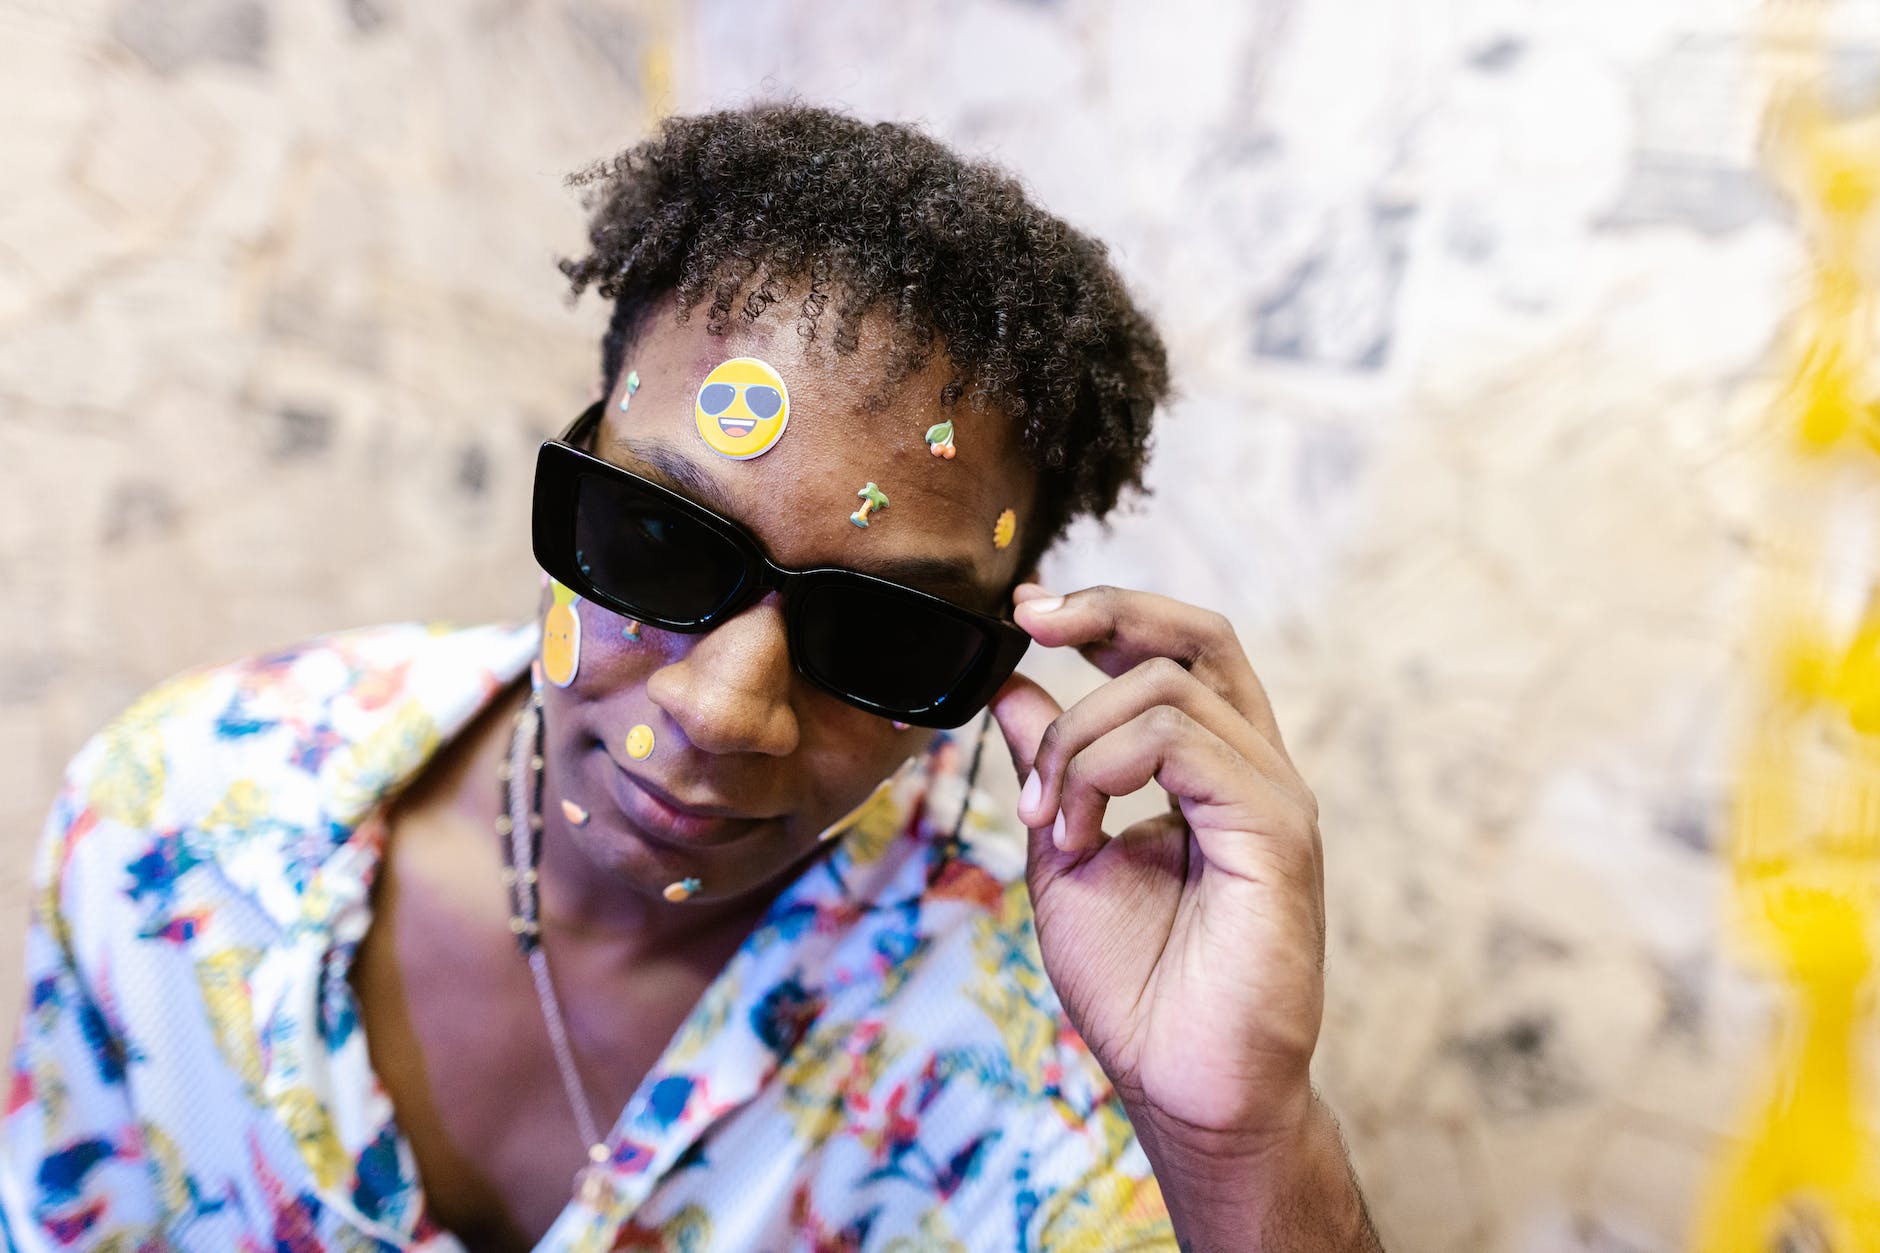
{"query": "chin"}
(627, 855)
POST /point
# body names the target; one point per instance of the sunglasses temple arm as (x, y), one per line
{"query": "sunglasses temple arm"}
(581, 427)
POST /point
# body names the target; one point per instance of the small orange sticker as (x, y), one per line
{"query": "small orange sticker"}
(940, 440)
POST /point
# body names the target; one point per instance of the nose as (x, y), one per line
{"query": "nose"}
(730, 691)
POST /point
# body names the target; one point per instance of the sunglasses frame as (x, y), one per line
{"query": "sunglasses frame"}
(561, 463)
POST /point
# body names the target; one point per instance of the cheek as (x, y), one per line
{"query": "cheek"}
(614, 651)
(588, 650)
(851, 752)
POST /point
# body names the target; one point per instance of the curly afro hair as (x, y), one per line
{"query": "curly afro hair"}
(737, 210)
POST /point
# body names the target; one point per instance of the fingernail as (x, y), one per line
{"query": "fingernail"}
(1028, 798)
(1044, 604)
(1057, 831)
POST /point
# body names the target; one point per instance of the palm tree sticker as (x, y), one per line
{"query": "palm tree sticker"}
(872, 499)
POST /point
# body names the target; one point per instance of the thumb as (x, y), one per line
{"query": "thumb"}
(1023, 710)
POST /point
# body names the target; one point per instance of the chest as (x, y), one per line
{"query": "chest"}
(458, 1039)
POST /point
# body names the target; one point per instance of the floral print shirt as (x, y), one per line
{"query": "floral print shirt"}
(882, 1065)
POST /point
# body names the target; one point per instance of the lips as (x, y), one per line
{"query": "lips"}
(668, 820)
(737, 428)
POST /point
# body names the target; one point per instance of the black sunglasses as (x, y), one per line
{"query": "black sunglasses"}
(648, 553)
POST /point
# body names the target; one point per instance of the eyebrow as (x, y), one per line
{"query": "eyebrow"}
(673, 469)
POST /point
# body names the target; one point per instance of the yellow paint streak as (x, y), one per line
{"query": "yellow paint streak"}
(1804, 840)
(656, 63)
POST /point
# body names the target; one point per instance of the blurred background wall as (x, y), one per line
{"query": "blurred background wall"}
(1472, 305)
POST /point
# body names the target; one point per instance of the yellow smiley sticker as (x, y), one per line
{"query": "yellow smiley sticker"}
(742, 408)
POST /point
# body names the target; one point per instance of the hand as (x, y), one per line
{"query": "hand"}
(1188, 949)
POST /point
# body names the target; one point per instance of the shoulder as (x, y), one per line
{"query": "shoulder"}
(259, 766)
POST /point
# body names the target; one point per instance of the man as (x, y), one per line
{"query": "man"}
(364, 945)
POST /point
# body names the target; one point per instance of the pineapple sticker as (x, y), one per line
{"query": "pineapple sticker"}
(561, 636)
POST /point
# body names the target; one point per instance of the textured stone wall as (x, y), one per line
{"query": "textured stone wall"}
(279, 327)
(1472, 304)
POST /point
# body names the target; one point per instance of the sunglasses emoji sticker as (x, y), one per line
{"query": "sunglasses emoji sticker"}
(742, 408)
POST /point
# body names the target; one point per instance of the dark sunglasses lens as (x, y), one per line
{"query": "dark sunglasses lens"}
(715, 398)
(652, 557)
(762, 400)
(885, 648)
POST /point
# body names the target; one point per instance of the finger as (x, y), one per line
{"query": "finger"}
(1157, 681)
(1116, 629)
(1165, 841)
(1242, 821)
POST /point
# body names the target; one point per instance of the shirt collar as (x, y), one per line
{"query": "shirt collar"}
(884, 858)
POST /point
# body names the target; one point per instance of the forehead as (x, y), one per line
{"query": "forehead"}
(846, 428)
